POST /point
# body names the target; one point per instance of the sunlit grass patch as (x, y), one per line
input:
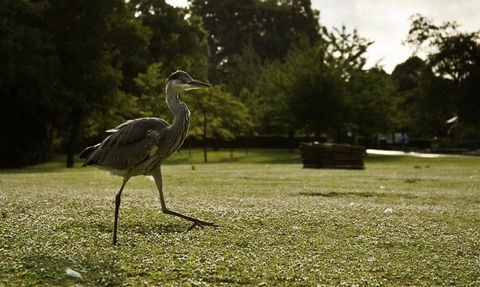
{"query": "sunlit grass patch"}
(279, 224)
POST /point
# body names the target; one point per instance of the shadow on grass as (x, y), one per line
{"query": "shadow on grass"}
(32, 170)
(373, 158)
(359, 194)
(260, 156)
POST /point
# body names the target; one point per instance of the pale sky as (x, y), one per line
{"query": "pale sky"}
(387, 21)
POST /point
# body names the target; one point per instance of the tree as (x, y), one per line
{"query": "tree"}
(177, 40)
(28, 78)
(244, 71)
(451, 53)
(62, 70)
(151, 99)
(407, 73)
(406, 77)
(316, 94)
(371, 104)
(216, 114)
(309, 91)
(469, 98)
(267, 103)
(270, 26)
(424, 99)
(453, 60)
(88, 41)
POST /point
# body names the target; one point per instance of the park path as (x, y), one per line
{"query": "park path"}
(416, 154)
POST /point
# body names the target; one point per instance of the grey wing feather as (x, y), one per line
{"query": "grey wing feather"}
(129, 144)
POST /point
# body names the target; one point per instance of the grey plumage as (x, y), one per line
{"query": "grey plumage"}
(140, 146)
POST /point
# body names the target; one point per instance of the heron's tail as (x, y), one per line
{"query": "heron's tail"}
(87, 153)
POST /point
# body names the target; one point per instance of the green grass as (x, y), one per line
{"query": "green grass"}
(402, 221)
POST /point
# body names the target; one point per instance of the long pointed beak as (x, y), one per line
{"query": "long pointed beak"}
(199, 84)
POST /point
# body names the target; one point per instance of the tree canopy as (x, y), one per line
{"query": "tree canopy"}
(322, 89)
(444, 85)
(216, 114)
(73, 69)
(270, 26)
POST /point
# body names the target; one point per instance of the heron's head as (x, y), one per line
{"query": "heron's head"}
(180, 80)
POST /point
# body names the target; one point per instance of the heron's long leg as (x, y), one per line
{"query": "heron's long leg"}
(196, 222)
(117, 207)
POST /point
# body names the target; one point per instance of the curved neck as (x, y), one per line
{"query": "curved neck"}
(179, 109)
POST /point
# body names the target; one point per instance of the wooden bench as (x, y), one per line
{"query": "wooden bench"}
(324, 155)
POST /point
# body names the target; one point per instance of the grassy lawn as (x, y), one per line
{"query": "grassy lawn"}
(402, 221)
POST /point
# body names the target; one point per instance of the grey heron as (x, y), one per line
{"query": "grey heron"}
(140, 146)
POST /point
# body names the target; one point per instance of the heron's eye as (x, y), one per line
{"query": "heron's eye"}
(183, 80)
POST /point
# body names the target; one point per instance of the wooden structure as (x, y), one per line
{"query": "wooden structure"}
(324, 155)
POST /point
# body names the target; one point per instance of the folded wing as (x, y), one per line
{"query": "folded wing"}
(129, 144)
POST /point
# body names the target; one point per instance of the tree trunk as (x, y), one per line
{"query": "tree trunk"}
(216, 143)
(190, 146)
(246, 142)
(204, 137)
(291, 141)
(74, 131)
(205, 149)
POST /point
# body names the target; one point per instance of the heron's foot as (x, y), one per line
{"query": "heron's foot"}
(201, 224)
(196, 222)
(115, 242)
